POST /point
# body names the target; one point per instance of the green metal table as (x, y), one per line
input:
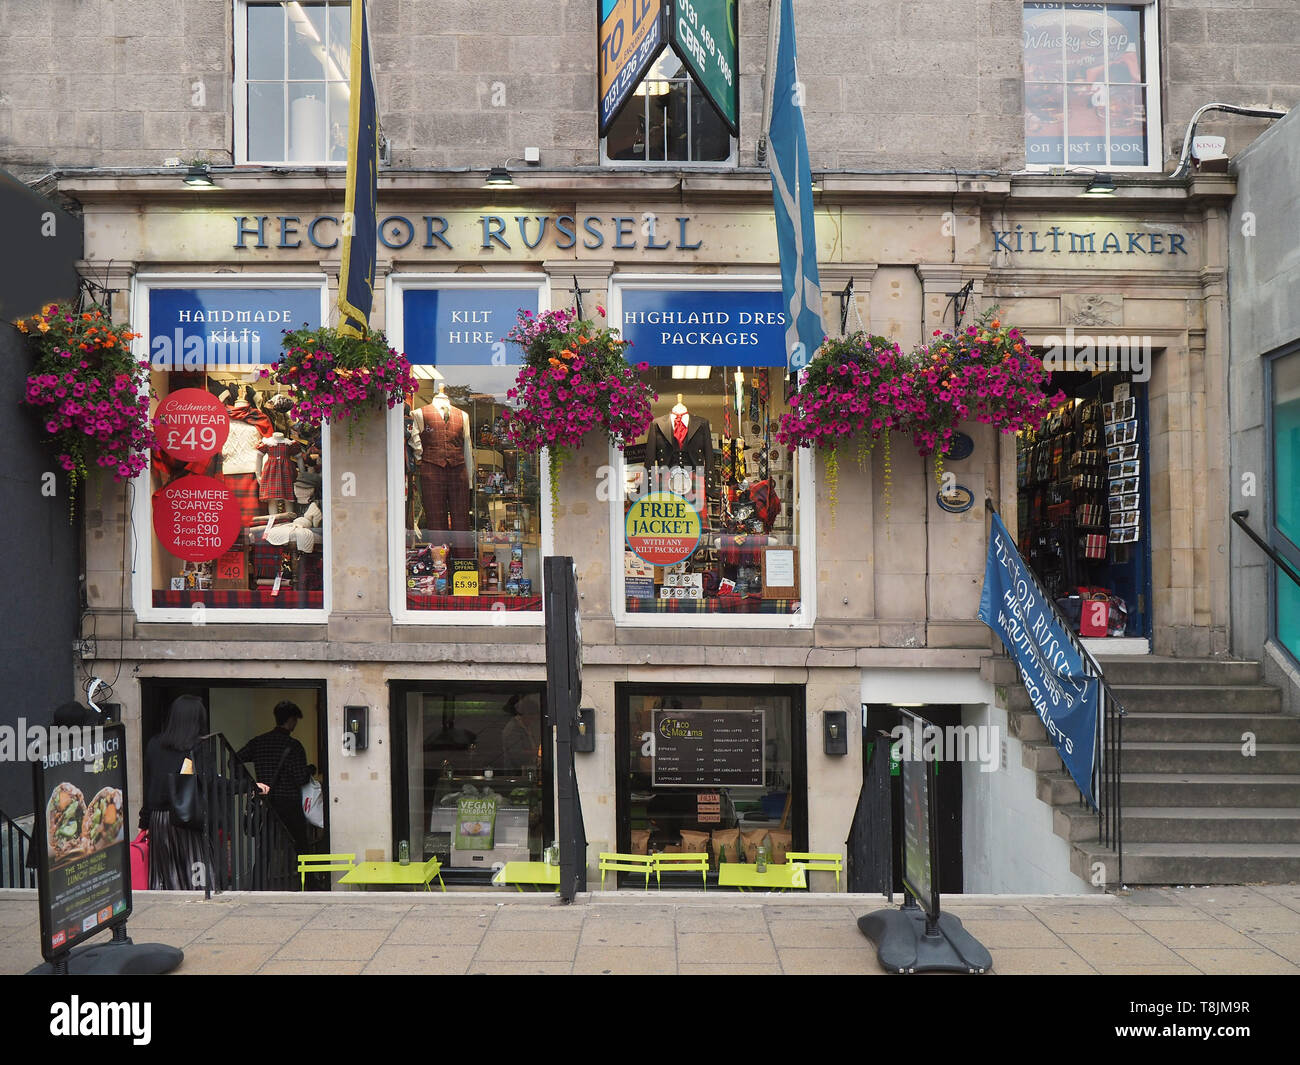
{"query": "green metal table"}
(394, 874)
(777, 878)
(520, 873)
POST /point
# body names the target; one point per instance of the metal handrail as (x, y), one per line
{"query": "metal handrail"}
(1106, 780)
(251, 847)
(13, 859)
(1240, 517)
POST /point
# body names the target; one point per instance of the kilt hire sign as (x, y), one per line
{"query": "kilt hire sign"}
(663, 528)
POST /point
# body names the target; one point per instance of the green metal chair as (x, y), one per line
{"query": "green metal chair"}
(823, 863)
(682, 863)
(626, 863)
(324, 863)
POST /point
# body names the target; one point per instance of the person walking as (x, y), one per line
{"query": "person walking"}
(178, 856)
(280, 769)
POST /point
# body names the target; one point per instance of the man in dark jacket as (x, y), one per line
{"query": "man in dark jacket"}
(280, 762)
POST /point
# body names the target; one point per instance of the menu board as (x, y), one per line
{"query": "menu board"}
(918, 871)
(80, 835)
(708, 748)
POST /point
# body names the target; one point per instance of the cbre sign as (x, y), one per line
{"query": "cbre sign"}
(704, 34)
(629, 39)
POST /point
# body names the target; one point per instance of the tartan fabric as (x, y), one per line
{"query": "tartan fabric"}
(417, 601)
(739, 549)
(731, 604)
(265, 559)
(311, 571)
(278, 469)
(244, 488)
(288, 599)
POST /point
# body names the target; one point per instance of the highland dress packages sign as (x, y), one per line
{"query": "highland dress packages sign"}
(1052, 670)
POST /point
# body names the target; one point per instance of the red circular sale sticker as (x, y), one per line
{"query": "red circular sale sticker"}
(196, 518)
(191, 424)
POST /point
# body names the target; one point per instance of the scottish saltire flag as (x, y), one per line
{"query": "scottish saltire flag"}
(787, 156)
(357, 271)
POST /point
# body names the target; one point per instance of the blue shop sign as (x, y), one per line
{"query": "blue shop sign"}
(704, 327)
(212, 328)
(464, 326)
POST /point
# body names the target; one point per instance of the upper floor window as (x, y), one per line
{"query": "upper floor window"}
(1091, 85)
(669, 119)
(291, 82)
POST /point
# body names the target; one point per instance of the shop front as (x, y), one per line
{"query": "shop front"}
(734, 595)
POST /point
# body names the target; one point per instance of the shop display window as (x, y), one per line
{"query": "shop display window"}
(1285, 388)
(712, 445)
(472, 502)
(237, 512)
(471, 790)
(711, 771)
(1087, 84)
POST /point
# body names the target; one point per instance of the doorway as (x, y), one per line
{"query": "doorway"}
(948, 792)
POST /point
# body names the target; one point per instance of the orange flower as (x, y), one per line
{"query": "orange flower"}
(996, 324)
(583, 340)
(86, 317)
(109, 341)
(566, 354)
(44, 326)
(20, 325)
(554, 361)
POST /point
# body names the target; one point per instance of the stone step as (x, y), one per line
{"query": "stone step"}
(1205, 728)
(1041, 756)
(1198, 698)
(1251, 699)
(1175, 672)
(1197, 789)
(1178, 758)
(1184, 789)
(1198, 824)
(1193, 863)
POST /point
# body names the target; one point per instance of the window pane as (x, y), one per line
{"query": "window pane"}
(340, 36)
(245, 438)
(710, 138)
(1045, 123)
(1286, 446)
(626, 136)
(700, 816)
(339, 95)
(307, 122)
(1086, 118)
(266, 121)
(479, 746)
(306, 41)
(473, 501)
(1084, 46)
(742, 486)
(265, 42)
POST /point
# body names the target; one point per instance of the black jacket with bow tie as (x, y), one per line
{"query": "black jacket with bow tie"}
(696, 452)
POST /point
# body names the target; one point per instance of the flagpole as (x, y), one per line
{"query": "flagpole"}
(773, 35)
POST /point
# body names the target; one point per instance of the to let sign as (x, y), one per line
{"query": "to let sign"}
(630, 38)
(704, 35)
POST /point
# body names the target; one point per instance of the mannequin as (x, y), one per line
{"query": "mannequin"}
(440, 439)
(694, 449)
(239, 455)
(275, 469)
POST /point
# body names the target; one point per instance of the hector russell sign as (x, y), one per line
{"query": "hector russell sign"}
(1051, 668)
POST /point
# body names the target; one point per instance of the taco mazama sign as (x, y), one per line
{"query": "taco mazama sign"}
(80, 836)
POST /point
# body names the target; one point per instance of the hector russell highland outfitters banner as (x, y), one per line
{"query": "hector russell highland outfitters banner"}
(1065, 698)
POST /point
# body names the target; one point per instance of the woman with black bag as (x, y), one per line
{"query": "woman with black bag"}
(173, 814)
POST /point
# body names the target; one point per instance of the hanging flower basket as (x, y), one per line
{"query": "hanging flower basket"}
(334, 378)
(864, 387)
(575, 380)
(89, 391)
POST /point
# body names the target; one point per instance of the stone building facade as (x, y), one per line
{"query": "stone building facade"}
(916, 126)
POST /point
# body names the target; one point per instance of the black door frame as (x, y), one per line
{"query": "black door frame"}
(798, 750)
(400, 791)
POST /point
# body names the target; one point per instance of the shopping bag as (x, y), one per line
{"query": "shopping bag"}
(313, 803)
(140, 862)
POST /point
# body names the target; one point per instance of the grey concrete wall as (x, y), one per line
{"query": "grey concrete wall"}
(461, 83)
(1264, 289)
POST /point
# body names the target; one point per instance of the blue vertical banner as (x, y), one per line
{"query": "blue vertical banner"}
(1064, 696)
(787, 157)
(359, 233)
